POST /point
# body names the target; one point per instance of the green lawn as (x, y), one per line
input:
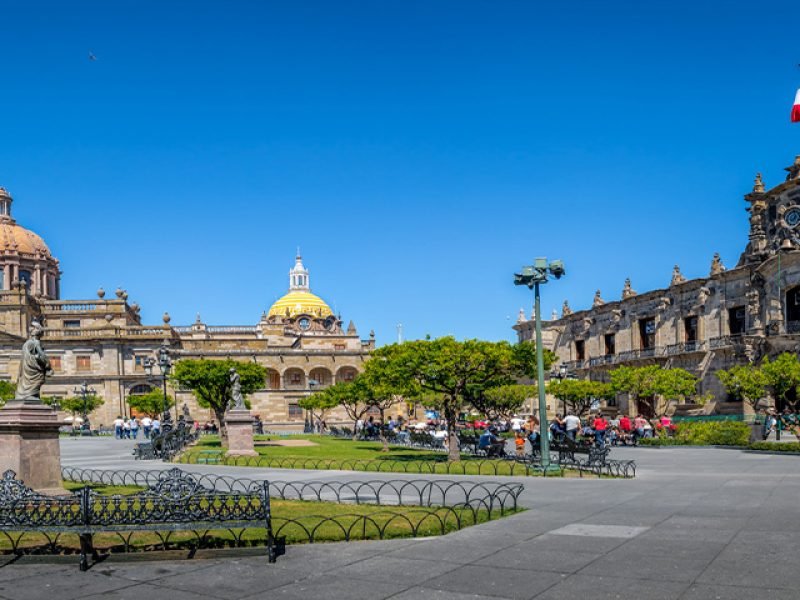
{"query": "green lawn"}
(345, 454)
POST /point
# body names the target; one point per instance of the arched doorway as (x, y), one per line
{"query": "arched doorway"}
(793, 310)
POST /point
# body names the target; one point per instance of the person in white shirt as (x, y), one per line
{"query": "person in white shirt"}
(126, 429)
(119, 423)
(156, 427)
(134, 426)
(571, 425)
(147, 423)
(516, 423)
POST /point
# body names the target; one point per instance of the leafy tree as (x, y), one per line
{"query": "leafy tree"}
(150, 403)
(505, 400)
(578, 394)
(448, 374)
(319, 401)
(783, 377)
(653, 385)
(74, 404)
(747, 383)
(524, 356)
(7, 392)
(210, 382)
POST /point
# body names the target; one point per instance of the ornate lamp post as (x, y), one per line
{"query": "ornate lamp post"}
(165, 366)
(85, 391)
(532, 276)
(309, 422)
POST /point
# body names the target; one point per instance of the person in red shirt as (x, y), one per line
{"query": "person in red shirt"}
(600, 425)
(625, 424)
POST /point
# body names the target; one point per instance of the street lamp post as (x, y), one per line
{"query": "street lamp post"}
(84, 391)
(309, 423)
(165, 366)
(532, 276)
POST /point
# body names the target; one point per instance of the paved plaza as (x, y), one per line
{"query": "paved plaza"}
(696, 523)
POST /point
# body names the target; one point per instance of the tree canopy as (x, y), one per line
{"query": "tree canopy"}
(746, 383)
(505, 400)
(210, 381)
(150, 403)
(7, 392)
(654, 385)
(578, 394)
(783, 377)
(74, 404)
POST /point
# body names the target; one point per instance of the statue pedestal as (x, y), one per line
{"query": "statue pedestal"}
(239, 424)
(29, 445)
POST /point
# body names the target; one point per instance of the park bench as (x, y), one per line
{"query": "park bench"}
(209, 457)
(567, 449)
(175, 502)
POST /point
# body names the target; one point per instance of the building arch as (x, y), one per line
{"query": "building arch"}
(140, 389)
(321, 375)
(273, 381)
(294, 378)
(345, 374)
(793, 309)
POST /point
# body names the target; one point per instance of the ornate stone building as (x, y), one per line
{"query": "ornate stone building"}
(103, 342)
(732, 316)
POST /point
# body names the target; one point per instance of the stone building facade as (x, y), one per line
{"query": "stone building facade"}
(732, 316)
(102, 341)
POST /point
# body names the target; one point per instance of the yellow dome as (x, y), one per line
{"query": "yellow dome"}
(300, 303)
(14, 238)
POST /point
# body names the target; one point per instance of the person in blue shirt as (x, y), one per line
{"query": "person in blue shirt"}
(491, 443)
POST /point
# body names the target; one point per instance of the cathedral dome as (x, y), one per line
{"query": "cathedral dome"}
(300, 303)
(300, 300)
(13, 237)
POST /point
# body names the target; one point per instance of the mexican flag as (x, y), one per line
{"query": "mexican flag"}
(796, 108)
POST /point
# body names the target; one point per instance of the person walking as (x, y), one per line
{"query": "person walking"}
(147, 424)
(134, 424)
(156, 427)
(119, 422)
(600, 426)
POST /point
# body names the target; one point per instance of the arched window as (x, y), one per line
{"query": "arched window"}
(793, 310)
(139, 390)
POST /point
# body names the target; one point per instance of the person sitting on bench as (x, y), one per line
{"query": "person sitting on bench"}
(490, 443)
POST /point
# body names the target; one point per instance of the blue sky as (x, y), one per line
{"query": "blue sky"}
(418, 152)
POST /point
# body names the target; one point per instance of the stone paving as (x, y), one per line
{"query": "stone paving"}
(696, 523)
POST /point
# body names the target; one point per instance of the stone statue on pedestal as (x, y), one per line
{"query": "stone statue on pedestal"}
(33, 367)
(237, 401)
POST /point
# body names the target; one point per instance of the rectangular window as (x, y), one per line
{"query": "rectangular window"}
(736, 320)
(138, 363)
(72, 324)
(580, 350)
(274, 380)
(295, 411)
(647, 333)
(338, 347)
(690, 330)
(83, 363)
(610, 343)
(55, 362)
(296, 379)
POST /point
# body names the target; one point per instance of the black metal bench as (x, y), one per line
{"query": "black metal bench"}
(567, 449)
(176, 502)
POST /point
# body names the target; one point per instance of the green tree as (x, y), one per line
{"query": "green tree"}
(447, 374)
(579, 394)
(747, 383)
(505, 400)
(7, 392)
(319, 403)
(210, 382)
(74, 404)
(653, 385)
(783, 378)
(150, 403)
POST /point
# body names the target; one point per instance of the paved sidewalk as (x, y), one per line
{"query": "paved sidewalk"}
(694, 524)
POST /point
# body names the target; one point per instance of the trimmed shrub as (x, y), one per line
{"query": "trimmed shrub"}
(773, 447)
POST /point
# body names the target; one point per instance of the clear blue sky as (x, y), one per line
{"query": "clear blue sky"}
(418, 152)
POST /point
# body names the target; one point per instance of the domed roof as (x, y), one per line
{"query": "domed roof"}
(300, 303)
(14, 238)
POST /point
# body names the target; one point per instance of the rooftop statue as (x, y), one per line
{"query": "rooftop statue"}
(34, 366)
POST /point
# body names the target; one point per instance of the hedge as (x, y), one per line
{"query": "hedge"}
(705, 433)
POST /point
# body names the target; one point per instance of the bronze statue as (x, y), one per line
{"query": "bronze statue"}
(34, 366)
(236, 391)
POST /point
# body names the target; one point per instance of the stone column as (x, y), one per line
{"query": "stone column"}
(7, 277)
(239, 424)
(29, 445)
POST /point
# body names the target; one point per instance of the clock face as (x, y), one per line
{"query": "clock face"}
(304, 323)
(792, 217)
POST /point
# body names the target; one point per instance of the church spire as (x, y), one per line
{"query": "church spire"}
(298, 276)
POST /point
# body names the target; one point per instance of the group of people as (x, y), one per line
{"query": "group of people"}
(784, 421)
(620, 429)
(128, 429)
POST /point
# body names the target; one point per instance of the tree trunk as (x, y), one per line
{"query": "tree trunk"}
(223, 431)
(453, 453)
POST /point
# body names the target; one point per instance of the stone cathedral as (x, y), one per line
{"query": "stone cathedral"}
(732, 316)
(103, 342)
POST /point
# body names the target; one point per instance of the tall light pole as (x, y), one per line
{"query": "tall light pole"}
(532, 276)
(165, 366)
(85, 391)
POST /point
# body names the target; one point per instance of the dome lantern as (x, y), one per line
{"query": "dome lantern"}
(299, 300)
